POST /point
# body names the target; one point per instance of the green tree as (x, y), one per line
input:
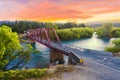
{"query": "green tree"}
(114, 47)
(106, 30)
(81, 25)
(70, 25)
(10, 49)
(51, 25)
(116, 32)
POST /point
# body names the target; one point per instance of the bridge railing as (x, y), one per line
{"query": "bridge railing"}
(75, 47)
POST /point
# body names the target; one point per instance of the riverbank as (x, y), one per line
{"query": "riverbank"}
(53, 72)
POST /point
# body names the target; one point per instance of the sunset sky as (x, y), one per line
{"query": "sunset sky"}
(60, 10)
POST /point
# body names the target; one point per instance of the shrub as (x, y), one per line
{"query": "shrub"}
(22, 74)
(114, 47)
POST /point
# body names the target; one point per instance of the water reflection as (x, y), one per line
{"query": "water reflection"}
(91, 43)
(40, 59)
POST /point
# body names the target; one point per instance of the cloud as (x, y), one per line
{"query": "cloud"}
(57, 9)
(51, 10)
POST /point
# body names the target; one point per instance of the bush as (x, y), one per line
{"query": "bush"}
(116, 32)
(22, 74)
(105, 30)
(114, 47)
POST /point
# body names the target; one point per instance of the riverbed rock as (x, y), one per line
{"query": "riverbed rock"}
(116, 54)
(51, 71)
(63, 68)
(59, 68)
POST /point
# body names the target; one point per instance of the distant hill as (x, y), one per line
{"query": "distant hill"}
(99, 24)
(1, 22)
(94, 24)
(116, 24)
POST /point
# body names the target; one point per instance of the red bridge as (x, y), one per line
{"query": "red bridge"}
(46, 36)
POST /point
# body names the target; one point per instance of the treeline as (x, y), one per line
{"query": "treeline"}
(74, 33)
(108, 30)
(21, 26)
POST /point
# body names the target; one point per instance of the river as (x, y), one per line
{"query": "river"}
(42, 59)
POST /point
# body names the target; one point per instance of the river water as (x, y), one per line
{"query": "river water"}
(42, 59)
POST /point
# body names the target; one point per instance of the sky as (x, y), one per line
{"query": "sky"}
(60, 10)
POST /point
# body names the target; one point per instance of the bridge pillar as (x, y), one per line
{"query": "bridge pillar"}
(71, 61)
(56, 56)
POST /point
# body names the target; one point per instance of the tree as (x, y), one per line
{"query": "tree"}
(51, 25)
(106, 30)
(10, 49)
(116, 32)
(70, 25)
(81, 25)
(114, 47)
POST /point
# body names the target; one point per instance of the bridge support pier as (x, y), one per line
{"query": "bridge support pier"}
(71, 61)
(56, 56)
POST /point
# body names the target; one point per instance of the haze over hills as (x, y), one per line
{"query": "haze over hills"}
(91, 24)
(99, 24)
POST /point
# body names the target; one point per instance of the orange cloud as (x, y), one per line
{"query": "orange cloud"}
(60, 9)
(48, 10)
